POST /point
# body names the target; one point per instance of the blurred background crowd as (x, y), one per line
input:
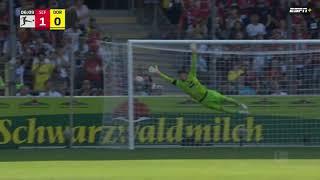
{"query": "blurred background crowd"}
(42, 65)
(242, 19)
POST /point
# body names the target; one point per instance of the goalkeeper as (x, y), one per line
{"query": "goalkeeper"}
(190, 84)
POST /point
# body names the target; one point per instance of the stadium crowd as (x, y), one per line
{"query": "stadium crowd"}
(43, 57)
(251, 19)
(241, 19)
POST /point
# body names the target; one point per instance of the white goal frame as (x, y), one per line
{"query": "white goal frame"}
(132, 43)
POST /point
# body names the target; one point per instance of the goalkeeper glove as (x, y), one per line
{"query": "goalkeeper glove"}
(154, 69)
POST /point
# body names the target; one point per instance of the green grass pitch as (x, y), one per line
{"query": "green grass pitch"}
(160, 164)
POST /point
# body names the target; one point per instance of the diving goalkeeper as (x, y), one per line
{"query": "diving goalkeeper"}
(190, 84)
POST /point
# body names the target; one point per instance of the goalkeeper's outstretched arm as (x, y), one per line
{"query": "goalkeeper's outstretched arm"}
(166, 77)
(194, 58)
(154, 69)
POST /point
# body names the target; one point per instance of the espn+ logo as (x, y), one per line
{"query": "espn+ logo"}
(300, 10)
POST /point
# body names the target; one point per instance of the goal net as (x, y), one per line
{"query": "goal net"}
(279, 81)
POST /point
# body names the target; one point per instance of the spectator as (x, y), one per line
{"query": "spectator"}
(246, 6)
(221, 30)
(95, 47)
(263, 8)
(20, 71)
(40, 45)
(24, 36)
(279, 9)
(82, 14)
(3, 11)
(202, 63)
(40, 4)
(255, 28)
(71, 15)
(252, 79)
(62, 63)
(298, 20)
(236, 29)
(239, 35)
(233, 18)
(259, 62)
(283, 29)
(187, 20)
(6, 47)
(300, 32)
(83, 47)
(93, 26)
(197, 33)
(235, 73)
(143, 83)
(203, 8)
(267, 20)
(42, 69)
(270, 24)
(194, 18)
(148, 84)
(275, 89)
(72, 34)
(271, 77)
(139, 85)
(50, 90)
(26, 61)
(314, 25)
(3, 35)
(24, 91)
(246, 89)
(235, 78)
(276, 34)
(86, 89)
(274, 70)
(93, 70)
(4, 26)
(61, 85)
(174, 11)
(259, 37)
(54, 4)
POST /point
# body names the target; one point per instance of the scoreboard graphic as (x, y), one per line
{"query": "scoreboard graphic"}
(43, 19)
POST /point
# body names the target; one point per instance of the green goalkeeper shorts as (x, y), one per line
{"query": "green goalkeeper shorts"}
(213, 100)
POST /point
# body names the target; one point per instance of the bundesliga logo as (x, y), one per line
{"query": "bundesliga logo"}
(27, 19)
(300, 10)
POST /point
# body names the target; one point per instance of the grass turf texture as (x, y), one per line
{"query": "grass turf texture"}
(156, 164)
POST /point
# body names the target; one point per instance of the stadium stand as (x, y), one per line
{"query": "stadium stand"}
(42, 57)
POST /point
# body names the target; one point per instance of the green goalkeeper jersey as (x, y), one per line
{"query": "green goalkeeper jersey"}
(192, 85)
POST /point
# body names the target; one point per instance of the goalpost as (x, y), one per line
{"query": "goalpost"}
(277, 79)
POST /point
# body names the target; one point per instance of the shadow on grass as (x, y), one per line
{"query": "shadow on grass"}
(158, 154)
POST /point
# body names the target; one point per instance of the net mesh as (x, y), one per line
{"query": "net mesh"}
(114, 131)
(283, 79)
(266, 69)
